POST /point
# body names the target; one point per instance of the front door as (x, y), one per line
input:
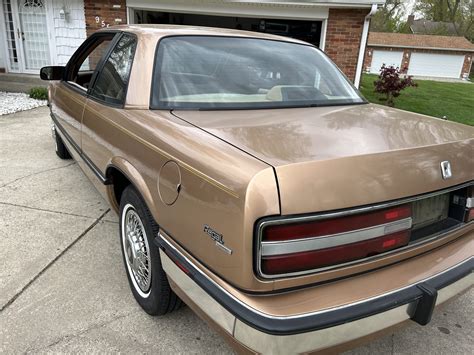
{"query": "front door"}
(26, 35)
(71, 94)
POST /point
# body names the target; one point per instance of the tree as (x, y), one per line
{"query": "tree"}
(458, 12)
(433, 10)
(389, 17)
(390, 84)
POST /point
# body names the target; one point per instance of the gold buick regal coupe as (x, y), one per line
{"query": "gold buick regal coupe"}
(254, 183)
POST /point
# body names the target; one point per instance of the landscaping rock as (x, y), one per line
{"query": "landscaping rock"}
(13, 102)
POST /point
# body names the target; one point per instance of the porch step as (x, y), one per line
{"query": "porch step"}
(20, 82)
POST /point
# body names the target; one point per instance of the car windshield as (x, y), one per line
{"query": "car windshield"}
(210, 72)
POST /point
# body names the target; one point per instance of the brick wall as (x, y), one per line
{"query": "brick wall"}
(103, 13)
(467, 66)
(343, 36)
(405, 61)
(367, 58)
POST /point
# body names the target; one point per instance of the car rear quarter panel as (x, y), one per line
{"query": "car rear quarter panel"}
(221, 186)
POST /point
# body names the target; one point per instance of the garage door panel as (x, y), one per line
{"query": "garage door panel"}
(436, 65)
(388, 58)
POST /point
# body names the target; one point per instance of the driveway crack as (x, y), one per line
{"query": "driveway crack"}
(36, 173)
(44, 210)
(43, 270)
(86, 330)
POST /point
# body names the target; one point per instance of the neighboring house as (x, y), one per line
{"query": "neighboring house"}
(34, 33)
(420, 55)
(426, 27)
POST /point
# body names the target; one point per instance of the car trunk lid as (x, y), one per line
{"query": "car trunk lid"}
(331, 158)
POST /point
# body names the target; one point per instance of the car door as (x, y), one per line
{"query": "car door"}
(104, 111)
(71, 93)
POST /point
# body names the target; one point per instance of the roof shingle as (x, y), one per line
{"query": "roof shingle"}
(407, 40)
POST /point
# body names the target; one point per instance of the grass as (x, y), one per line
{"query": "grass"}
(455, 101)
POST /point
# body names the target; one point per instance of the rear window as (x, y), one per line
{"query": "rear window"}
(210, 72)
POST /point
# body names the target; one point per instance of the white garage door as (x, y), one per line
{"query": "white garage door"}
(433, 64)
(385, 57)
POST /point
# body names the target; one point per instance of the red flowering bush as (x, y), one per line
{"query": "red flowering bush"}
(390, 84)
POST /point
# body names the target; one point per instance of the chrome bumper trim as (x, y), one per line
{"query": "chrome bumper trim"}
(209, 305)
(308, 322)
(329, 337)
(301, 342)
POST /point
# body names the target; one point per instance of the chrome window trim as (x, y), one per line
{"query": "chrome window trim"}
(309, 218)
(334, 240)
(77, 86)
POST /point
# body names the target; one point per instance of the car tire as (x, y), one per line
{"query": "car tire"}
(147, 279)
(61, 150)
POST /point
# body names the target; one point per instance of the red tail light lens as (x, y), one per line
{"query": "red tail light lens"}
(335, 225)
(470, 216)
(309, 245)
(319, 258)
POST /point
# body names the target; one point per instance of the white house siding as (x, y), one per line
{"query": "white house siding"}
(68, 33)
(3, 63)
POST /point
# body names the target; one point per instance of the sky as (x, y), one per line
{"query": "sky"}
(408, 6)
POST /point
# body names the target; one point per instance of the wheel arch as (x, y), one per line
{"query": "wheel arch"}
(121, 174)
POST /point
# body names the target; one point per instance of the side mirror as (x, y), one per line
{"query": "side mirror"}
(52, 73)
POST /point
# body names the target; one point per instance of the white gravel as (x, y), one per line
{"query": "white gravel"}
(11, 102)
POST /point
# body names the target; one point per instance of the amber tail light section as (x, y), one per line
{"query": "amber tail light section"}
(295, 247)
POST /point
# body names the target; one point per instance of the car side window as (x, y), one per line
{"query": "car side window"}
(83, 64)
(112, 79)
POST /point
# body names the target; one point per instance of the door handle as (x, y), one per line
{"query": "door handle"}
(20, 34)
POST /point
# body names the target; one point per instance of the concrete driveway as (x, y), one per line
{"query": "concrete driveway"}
(62, 283)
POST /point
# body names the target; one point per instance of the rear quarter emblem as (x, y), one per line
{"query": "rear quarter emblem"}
(446, 172)
(218, 238)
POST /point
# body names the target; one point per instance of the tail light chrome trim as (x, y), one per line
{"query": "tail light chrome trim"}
(334, 240)
(260, 226)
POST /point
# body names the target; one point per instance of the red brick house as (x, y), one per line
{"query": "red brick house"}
(420, 55)
(42, 32)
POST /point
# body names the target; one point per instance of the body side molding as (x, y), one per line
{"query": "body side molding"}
(103, 179)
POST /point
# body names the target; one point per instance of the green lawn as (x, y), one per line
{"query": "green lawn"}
(453, 100)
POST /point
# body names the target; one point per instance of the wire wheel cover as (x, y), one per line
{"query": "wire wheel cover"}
(137, 251)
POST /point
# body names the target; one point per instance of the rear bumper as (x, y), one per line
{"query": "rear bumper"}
(265, 333)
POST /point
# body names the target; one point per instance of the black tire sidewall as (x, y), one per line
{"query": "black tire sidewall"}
(156, 303)
(61, 150)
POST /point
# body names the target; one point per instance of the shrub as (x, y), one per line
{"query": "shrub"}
(390, 84)
(39, 93)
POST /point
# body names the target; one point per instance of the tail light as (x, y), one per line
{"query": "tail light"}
(306, 245)
(470, 215)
